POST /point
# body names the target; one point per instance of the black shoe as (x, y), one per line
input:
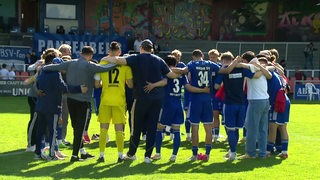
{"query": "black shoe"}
(74, 159)
(101, 159)
(120, 160)
(86, 156)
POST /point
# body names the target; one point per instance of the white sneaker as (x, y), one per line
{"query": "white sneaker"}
(173, 158)
(31, 148)
(60, 154)
(144, 137)
(193, 158)
(126, 157)
(156, 156)
(232, 156)
(147, 160)
(227, 154)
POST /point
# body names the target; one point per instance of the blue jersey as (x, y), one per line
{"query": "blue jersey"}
(173, 89)
(172, 111)
(181, 65)
(147, 68)
(233, 85)
(214, 77)
(201, 73)
(52, 84)
(274, 84)
(200, 76)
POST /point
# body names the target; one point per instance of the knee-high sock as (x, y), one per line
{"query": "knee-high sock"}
(187, 126)
(244, 132)
(195, 150)
(270, 146)
(120, 140)
(232, 140)
(284, 145)
(237, 135)
(208, 148)
(216, 131)
(176, 141)
(103, 139)
(158, 141)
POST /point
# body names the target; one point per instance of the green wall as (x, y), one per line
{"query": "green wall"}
(7, 9)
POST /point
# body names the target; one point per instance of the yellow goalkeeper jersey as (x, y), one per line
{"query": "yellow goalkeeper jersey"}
(113, 85)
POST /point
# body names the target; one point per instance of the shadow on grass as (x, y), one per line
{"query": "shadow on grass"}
(21, 164)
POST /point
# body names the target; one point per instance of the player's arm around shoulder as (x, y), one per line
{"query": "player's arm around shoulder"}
(115, 60)
(95, 68)
(193, 89)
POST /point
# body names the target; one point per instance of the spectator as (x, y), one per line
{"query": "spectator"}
(137, 44)
(4, 73)
(27, 59)
(308, 54)
(33, 57)
(60, 30)
(12, 73)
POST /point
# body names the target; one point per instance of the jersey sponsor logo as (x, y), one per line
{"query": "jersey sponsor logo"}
(235, 75)
(174, 94)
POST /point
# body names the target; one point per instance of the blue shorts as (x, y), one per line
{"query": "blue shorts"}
(201, 111)
(234, 115)
(217, 104)
(172, 114)
(280, 118)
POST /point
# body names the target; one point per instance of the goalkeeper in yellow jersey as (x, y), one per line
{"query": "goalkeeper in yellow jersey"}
(113, 101)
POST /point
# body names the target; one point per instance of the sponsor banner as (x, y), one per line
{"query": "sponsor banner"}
(307, 91)
(14, 88)
(100, 43)
(14, 52)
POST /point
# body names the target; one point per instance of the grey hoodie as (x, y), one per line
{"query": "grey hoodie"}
(80, 72)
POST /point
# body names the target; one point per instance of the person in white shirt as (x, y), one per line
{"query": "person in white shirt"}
(12, 74)
(4, 73)
(137, 44)
(257, 113)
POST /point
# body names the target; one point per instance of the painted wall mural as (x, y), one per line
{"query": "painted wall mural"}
(298, 21)
(165, 20)
(182, 19)
(249, 19)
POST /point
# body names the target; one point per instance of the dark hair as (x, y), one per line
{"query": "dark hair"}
(197, 53)
(147, 45)
(49, 58)
(248, 56)
(170, 60)
(114, 46)
(4, 65)
(87, 50)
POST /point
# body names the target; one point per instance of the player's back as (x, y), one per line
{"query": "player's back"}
(201, 72)
(113, 85)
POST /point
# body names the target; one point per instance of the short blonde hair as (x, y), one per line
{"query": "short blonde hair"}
(214, 51)
(176, 52)
(64, 47)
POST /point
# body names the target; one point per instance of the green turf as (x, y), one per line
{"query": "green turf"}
(303, 161)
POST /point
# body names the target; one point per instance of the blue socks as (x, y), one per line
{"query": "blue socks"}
(232, 139)
(208, 149)
(176, 141)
